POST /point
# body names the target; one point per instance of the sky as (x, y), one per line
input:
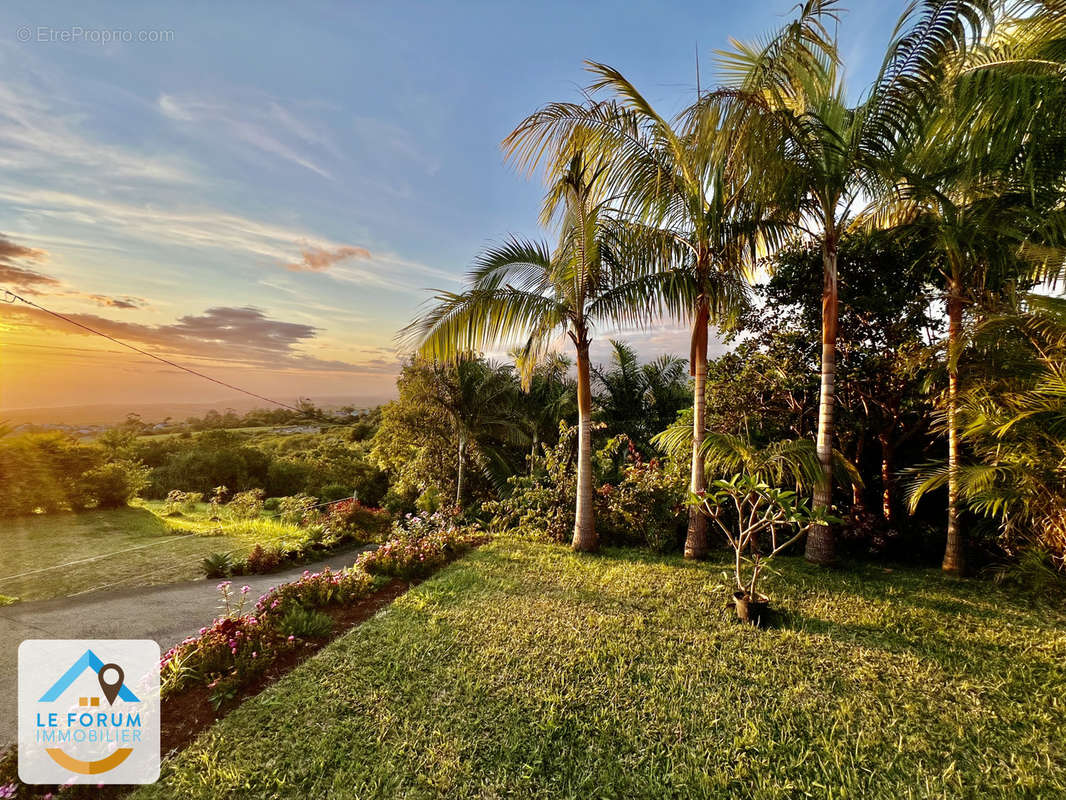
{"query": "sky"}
(267, 192)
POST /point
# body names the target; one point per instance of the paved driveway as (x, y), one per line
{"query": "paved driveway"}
(165, 613)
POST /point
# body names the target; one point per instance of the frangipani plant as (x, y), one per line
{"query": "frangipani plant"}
(758, 520)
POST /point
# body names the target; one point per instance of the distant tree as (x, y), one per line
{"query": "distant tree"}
(638, 399)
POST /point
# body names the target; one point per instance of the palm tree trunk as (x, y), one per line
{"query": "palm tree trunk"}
(696, 541)
(585, 516)
(858, 497)
(953, 552)
(888, 477)
(459, 478)
(820, 546)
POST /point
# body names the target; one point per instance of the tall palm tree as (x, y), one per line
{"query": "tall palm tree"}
(523, 292)
(1015, 424)
(986, 199)
(819, 155)
(701, 229)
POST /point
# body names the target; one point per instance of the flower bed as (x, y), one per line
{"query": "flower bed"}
(420, 544)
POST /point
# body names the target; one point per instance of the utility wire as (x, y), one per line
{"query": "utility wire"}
(166, 361)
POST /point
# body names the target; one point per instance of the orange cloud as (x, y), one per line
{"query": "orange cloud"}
(26, 280)
(318, 259)
(243, 335)
(124, 301)
(8, 250)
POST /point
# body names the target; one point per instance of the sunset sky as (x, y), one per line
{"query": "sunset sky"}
(267, 194)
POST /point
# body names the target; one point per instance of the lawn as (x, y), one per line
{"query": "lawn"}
(147, 548)
(527, 671)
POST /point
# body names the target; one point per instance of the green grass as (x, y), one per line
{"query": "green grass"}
(148, 549)
(527, 671)
(267, 530)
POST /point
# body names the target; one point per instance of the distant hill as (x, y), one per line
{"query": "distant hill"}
(107, 414)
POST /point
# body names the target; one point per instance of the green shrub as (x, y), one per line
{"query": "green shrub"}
(262, 560)
(297, 509)
(1032, 572)
(429, 501)
(305, 623)
(646, 508)
(114, 484)
(246, 505)
(334, 491)
(179, 502)
(218, 565)
(350, 519)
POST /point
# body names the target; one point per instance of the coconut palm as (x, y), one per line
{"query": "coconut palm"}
(787, 107)
(523, 293)
(701, 228)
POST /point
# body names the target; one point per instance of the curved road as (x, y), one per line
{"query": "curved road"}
(166, 613)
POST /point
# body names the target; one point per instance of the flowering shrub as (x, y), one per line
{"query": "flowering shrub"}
(232, 649)
(420, 544)
(262, 560)
(239, 646)
(647, 507)
(351, 519)
(315, 590)
(638, 502)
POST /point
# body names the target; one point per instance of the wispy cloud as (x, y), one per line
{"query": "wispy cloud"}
(248, 122)
(217, 230)
(122, 302)
(23, 278)
(38, 135)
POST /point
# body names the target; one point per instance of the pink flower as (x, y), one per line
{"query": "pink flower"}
(245, 589)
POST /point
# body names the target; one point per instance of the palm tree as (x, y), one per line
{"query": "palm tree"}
(700, 227)
(523, 292)
(479, 398)
(818, 155)
(550, 395)
(986, 199)
(1015, 425)
(639, 399)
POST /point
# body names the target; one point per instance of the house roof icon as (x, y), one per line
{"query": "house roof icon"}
(88, 661)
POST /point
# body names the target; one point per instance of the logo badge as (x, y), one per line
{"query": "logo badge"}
(88, 711)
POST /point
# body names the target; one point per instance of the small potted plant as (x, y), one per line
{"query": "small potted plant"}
(759, 521)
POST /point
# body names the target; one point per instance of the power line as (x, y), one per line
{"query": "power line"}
(166, 361)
